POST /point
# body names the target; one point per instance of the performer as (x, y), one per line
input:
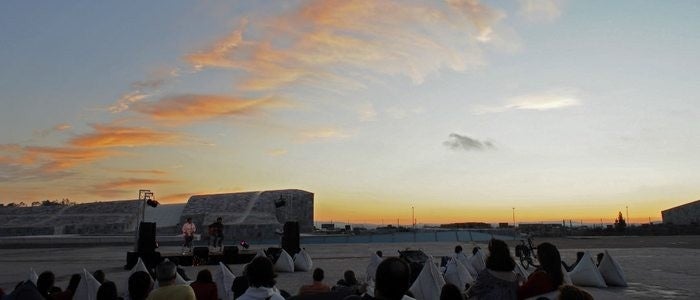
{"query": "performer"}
(216, 233)
(188, 230)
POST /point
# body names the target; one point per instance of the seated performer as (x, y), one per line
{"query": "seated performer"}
(216, 234)
(188, 230)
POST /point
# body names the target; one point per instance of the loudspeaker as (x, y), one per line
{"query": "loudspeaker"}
(147, 237)
(290, 238)
(150, 259)
(230, 253)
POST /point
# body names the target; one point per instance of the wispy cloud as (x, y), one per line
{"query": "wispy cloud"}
(176, 198)
(118, 136)
(120, 187)
(126, 100)
(361, 38)
(58, 128)
(539, 102)
(540, 10)
(32, 162)
(462, 142)
(277, 152)
(149, 172)
(189, 108)
(323, 134)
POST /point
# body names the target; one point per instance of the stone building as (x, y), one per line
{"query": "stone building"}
(685, 214)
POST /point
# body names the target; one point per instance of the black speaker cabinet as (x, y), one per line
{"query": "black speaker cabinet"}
(290, 238)
(147, 237)
(150, 259)
(230, 253)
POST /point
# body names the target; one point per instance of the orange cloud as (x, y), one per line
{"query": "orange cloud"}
(175, 198)
(131, 182)
(151, 172)
(24, 163)
(187, 108)
(362, 38)
(116, 136)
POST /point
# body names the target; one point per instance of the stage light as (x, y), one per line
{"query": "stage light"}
(244, 244)
(152, 203)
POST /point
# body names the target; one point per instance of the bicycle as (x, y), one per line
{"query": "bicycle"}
(526, 253)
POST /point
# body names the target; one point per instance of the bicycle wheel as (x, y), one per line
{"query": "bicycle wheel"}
(525, 262)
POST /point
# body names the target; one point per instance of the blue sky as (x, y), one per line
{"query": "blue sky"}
(463, 109)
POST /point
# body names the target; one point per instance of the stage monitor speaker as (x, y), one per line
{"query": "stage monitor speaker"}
(146, 242)
(290, 238)
(230, 253)
(200, 256)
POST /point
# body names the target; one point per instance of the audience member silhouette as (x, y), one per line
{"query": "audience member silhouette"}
(349, 284)
(204, 287)
(107, 291)
(451, 292)
(166, 272)
(99, 276)
(579, 256)
(25, 290)
(261, 277)
(547, 277)
(68, 293)
(140, 285)
(393, 279)
(317, 286)
(497, 281)
(240, 284)
(44, 284)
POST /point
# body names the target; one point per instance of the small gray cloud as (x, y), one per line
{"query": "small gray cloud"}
(462, 142)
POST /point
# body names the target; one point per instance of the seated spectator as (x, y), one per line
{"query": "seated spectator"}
(579, 256)
(497, 281)
(393, 279)
(240, 284)
(547, 277)
(107, 291)
(451, 292)
(99, 276)
(67, 294)
(25, 290)
(379, 253)
(45, 284)
(317, 287)
(570, 292)
(349, 284)
(204, 287)
(166, 272)
(261, 277)
(140, 285)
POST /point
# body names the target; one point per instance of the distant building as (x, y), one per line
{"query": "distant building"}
(328, 226)
(685, 214)
(541, 228)
(479, 225)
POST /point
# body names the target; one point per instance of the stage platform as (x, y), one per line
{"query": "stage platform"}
(198, 256)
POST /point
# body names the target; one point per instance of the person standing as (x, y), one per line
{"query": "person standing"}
(188, 230)
(216, 234)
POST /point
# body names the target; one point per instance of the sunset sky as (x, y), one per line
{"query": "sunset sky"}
(463, 109)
